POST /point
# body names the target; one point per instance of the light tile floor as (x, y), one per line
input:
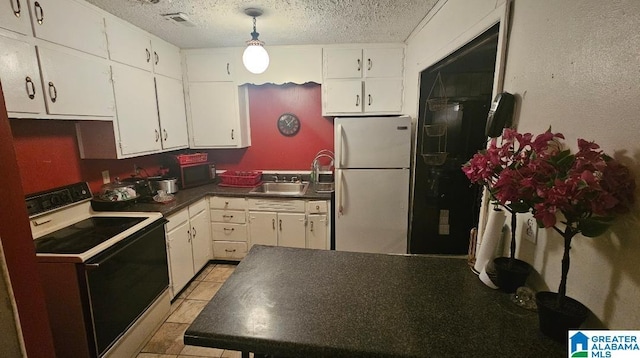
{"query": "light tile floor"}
(167, 341)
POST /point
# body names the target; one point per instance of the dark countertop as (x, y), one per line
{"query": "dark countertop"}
(186, 197)
(315, 303)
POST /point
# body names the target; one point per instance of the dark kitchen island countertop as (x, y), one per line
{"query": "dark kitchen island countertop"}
(315, 303)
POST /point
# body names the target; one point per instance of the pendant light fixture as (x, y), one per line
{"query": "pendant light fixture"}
(255, 58)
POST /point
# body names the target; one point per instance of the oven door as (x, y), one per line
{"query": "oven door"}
(124, 280)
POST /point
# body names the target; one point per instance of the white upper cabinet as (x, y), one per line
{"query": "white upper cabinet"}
(166, 59)
(383, 62)
(342, 96)
(383, 95)
(137, 111)
(69, 23)
(128, 44)
(14, 16)
(132, 46)
(343, 63)
(362, 81)
(218, 117)
(75, 84)
(171, 109)
(20, 77)
(207, 66)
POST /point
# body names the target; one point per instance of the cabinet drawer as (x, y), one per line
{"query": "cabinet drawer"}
(276, 205)
(217, 202)
(317, 206)
(229, 232)
(176, 219)
(229, 250)
(228, 216)
(197, 207)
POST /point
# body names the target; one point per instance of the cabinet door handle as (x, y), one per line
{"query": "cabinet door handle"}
(369, 64)
(232, 135)
(53, 93)
(226, 229)
(16, 9)
(155, 54)
(157, 135)
(280, 224)
(228, 71)
(317, 207)
(227, 217)
(194, 231)
(148, 54)
(229, 251)
(273, 223)
(166, 135)
(39, 12)
(311, 226)
(369, 99)
(188, 236)
(359, 65)
(31, 88)
(357, 100)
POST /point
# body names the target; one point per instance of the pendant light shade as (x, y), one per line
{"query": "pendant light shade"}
(255, 58)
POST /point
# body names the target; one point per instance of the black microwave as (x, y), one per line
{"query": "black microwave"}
(190, 175)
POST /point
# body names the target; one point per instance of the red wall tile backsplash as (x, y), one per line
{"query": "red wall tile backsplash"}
(48, 156)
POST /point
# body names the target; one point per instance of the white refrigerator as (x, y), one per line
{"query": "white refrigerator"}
(373, 156)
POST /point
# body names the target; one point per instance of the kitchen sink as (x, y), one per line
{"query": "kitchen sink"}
(281, 188)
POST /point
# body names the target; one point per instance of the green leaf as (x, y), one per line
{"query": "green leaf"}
(592, 227)
(564, 159)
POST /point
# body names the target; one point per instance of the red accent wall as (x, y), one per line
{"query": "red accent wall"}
(269, 149)
(19, 251)
(47, 153)
(48, 156)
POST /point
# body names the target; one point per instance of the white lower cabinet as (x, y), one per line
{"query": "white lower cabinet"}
(188, 244)
(291, 223)
(277, 229)
(318, 224)
(228, 227)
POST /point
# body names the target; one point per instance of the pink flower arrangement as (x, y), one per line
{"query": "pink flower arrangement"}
(525, 173)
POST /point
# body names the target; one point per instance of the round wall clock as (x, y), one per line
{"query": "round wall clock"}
(288, 124)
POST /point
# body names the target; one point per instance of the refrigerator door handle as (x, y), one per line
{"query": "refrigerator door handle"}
(339, 148)
(339, 192)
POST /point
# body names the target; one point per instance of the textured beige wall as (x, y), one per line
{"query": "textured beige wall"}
(575, 66)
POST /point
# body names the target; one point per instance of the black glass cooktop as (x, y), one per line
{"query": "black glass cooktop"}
(84, 235)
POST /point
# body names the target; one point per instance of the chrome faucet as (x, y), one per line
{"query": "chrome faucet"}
(315, 164)
(275, 178)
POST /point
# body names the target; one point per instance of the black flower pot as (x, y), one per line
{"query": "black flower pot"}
(510, 277)
(556, 321)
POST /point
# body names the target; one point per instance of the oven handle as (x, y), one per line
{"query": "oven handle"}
(95, 265)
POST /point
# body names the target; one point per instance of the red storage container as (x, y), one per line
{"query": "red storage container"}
(246, 179)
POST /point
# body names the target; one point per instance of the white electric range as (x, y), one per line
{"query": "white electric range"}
(105, 274)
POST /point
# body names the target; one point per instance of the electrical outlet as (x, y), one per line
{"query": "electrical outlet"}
(105, 177)
(530, 230)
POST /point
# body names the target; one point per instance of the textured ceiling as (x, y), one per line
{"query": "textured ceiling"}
(222, 23)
